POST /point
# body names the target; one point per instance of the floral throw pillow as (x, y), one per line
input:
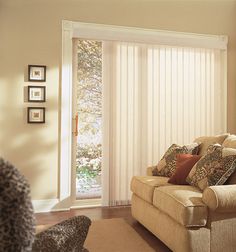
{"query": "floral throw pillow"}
(214, 168)
(167, 165)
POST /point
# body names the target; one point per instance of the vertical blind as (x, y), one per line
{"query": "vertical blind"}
(154, 96)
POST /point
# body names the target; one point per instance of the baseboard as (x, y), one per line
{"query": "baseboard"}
(86, 203)
(42, 206)
(52, 205)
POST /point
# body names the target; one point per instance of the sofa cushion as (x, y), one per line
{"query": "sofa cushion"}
(230, 142)
(183, 203)
(143, 186)
(205, 141)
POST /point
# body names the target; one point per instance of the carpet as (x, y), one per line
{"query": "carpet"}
(114, 235)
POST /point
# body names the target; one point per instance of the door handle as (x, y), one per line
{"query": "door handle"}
(76, 124)
(76, 121)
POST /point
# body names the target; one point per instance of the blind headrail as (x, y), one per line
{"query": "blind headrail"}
(141, 35)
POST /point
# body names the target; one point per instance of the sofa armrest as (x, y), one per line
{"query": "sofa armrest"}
(150, 169)
(220, 198)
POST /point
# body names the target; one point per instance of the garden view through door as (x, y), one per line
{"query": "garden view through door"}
(89, 108)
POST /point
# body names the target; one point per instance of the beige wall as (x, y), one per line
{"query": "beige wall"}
(30, 33)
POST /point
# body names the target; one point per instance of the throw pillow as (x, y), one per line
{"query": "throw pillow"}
(214, 168)
(167, 165)
(184, 164)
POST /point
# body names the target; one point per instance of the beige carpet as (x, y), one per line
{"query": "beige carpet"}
(114, 235)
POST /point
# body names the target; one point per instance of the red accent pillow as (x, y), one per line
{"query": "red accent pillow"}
(184, 164)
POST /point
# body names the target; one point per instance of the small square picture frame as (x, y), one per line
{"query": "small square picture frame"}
(36, 93)
(36, 114)
(37, 73)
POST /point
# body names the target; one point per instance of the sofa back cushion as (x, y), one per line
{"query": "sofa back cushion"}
(206, 141)
(230, 142)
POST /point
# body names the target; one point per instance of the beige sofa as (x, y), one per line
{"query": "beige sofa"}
(183, 217)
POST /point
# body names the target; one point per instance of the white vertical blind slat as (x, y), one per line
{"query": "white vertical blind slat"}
(162, 97)
(118, 163)
(174, 88)
(212, 92)
(168, 96)
(208, 95)
(130, 116)
(156, 69)
(185, 96)
(150, 104)
(192, 88)
(123, 122)
(203, 92)
(198, 93)
(136, 109)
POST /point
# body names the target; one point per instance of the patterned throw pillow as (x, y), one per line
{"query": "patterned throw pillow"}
(167, 165)
(214, 168)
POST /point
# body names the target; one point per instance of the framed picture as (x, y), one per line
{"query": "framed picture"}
(36, 73)
(36, 115)
(36, 94)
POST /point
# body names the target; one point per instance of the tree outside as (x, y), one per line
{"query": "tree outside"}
(89, 108)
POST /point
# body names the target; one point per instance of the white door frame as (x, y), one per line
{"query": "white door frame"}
(68, 114)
